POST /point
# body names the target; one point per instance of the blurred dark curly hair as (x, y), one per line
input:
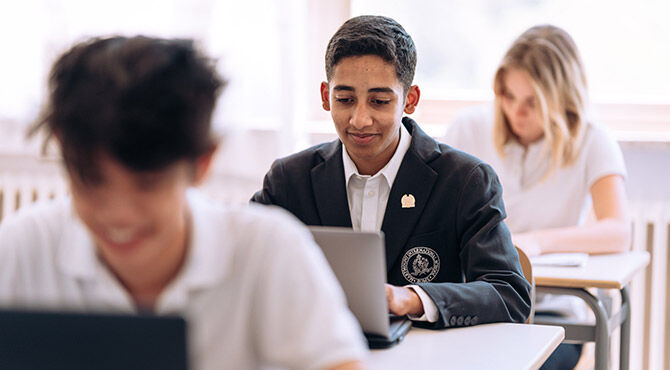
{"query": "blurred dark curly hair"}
(145, 102)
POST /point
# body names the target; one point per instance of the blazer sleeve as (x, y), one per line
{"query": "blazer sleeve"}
(495, 289)
(272, 192)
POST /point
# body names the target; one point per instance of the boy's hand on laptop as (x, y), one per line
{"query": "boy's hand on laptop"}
(403, 301)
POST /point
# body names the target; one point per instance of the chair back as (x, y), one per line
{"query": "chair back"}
(527, 269)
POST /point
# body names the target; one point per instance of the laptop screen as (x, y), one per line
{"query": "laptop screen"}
(357, 259)
(48, 340)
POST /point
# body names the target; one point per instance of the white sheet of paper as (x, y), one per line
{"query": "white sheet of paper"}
(560, 259)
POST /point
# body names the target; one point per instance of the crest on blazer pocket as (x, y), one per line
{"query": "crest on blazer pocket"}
(420, 265)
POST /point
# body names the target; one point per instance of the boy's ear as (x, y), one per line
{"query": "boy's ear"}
(325, 96)
(412, 100)
(203, 165)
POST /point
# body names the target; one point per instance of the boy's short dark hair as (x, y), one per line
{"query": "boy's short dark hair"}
(374, 35)
(144, 102)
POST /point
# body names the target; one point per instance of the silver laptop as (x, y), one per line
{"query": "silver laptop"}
(358, 260)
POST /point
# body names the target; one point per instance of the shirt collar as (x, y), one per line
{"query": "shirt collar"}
(533, 148)
(390, 170)
(76, 250)
(208, 260)
(532, 156)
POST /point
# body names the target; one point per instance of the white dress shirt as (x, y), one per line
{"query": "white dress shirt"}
(368, 196)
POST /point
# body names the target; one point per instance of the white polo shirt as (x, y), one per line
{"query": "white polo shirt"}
(561, 200)
(255, 289)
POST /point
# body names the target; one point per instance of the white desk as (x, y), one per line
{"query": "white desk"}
(491, 346)
(607, 271)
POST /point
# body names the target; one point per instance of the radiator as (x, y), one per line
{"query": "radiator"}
(19, 190)
(650, 331)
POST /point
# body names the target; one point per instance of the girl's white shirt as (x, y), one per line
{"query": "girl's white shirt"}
(532, 203)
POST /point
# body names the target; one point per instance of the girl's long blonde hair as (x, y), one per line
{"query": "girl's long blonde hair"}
(550, 59)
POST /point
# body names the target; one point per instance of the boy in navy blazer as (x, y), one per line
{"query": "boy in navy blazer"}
(449, 256)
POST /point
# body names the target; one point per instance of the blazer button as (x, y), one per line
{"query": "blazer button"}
(466, 322)
(474, 320)
(452, 321)
(459, 321)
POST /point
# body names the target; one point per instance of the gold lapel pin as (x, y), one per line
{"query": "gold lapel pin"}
(408, 201)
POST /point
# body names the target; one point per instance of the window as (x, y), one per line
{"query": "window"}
(247, 38)
(460, 43)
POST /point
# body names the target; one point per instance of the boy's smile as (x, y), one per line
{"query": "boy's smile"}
(138, 221)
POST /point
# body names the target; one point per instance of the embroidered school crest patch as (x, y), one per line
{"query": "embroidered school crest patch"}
(420, 265)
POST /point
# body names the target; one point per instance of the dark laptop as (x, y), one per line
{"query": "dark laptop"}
(73, 341)
(359, 263)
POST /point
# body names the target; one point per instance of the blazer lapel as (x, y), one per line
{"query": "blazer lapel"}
(415, 178)
(329, 187)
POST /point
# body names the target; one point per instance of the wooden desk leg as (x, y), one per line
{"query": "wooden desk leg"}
(624, 350)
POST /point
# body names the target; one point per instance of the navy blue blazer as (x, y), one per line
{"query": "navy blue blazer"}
(453, 242)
